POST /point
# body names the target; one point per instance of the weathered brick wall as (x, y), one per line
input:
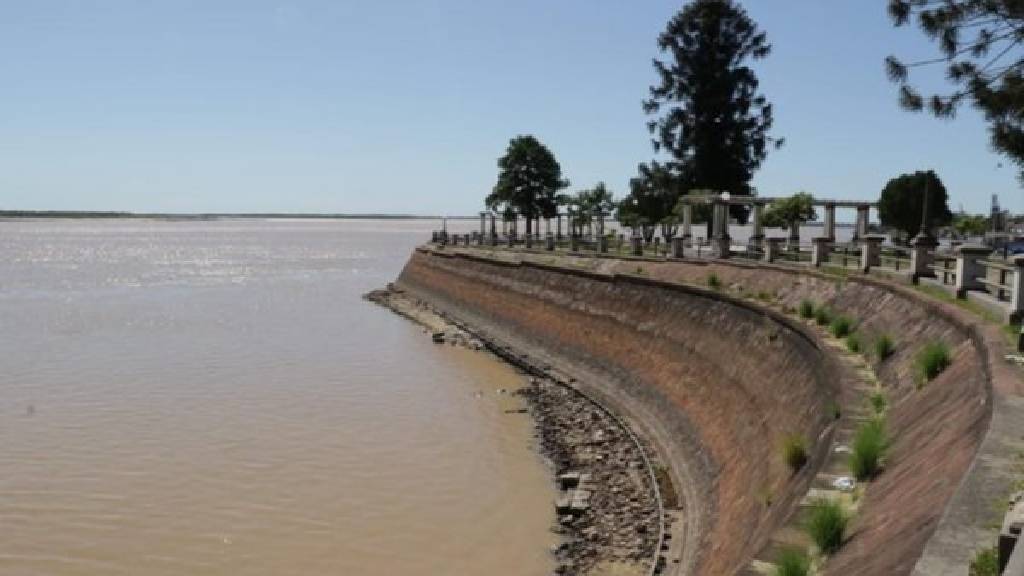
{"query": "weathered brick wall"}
(721, 381)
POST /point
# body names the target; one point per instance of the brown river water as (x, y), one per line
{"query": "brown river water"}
(214, 398)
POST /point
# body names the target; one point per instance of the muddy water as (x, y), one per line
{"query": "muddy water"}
(215, 398)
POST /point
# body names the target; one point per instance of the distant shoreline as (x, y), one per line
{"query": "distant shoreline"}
(83, 214)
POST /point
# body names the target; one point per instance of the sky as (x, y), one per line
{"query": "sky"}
(404, 106)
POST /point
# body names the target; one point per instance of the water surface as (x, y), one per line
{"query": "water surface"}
(215, 398)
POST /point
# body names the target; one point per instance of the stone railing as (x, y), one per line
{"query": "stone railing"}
(969, 271)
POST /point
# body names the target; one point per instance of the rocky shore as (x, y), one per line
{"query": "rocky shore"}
(607, 512)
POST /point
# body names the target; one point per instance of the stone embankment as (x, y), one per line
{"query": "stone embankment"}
(710, 365)
(608, 513)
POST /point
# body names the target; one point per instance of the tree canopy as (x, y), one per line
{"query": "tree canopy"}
(586, 204)
(902, 202)
(707, 112)
(652, 198)
(796, 209)
(980, 46)
(529, 179)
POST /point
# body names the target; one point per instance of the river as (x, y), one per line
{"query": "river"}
(214, 398)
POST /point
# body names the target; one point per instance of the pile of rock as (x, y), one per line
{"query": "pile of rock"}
(606, 510)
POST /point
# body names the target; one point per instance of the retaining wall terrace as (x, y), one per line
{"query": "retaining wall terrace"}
(717, 383)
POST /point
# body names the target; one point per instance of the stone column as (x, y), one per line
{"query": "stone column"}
(870, 252)
(483, 226)
(574, 242)
(830, 220)
(793, 240)
(819, 251)
(773, 249)
(558, 226)
(969, 268)
(677, 247)
(494, 228)
(922, 255)
(549, 242)
(687, 224)
(602, 244)
(757, 233)
(861, 229)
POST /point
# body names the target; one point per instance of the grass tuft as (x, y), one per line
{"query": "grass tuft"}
(878, 402)
(985, 563)
(714, 282)
(826, 524)
(806, 309)
(884, 347)
(794, 452)
(853, 343)
(841, 326)
(868, 450)
(792, 562)
(932, 360)
(822, 316)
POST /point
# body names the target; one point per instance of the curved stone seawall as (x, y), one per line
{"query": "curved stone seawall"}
(935, 428)
(715, 383)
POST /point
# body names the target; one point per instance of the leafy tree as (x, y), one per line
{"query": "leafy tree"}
(586, 204)
(653, 195)
(980, 47)
(902, 202)
(528, 181)
(970, 224)
(708, 115)
(790, 212)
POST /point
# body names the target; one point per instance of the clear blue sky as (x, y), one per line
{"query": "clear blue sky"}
(404, 106)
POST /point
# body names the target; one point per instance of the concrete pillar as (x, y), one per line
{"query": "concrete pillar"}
(549, 242)
(602, 244)
(558, 226)
(511, 240)
(494, 230)
(574, 242)
(861, 229)
(529, 240)
(819, 251)
(1017, 289)
(483, 225)
(687, 224)
(830, 220)
(677, 247)
(794, 237)
(969, 268)
(757, 233)
(922, 255)
(773, 249)
(637, 243)
(870, 252)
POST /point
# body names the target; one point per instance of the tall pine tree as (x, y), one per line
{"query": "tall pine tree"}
(708, 114)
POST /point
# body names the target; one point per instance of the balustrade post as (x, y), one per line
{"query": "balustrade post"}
(870, 252)
(819, 251)
(969, 268)
(677, 247)
(773, 249)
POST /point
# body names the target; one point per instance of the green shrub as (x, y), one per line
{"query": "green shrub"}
(792, 562)
(841, 326)
(932, 360)
(807, 309)
(868, 450)
(826, 524)
(822, 316)
(878, 402)
(794, 452)
(713, 281)
(883, 347)
(853, 343)
(985, 563)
